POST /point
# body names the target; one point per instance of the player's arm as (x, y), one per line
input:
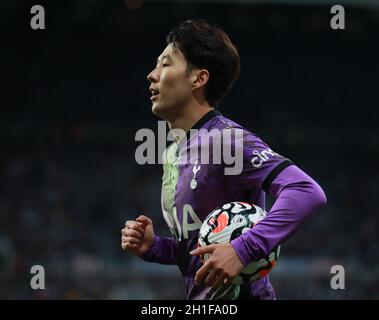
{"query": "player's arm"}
(138, 238)
(297, 197)
(163, 251)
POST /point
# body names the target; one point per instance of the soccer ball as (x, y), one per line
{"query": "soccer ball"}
(228, 222)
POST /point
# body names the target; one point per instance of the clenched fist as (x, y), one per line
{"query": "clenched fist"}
(137, 236)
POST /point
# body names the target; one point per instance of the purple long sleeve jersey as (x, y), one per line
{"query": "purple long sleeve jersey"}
(191, 189)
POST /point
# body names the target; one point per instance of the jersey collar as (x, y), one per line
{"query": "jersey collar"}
(208, 116)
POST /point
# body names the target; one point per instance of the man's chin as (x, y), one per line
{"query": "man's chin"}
(158, 110)
(165, 112)
(155, 109)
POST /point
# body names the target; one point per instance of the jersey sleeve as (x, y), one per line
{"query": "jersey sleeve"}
(297, 197)
(163, 251)
(260, 164)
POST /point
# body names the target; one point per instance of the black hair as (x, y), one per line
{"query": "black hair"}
(207, 47)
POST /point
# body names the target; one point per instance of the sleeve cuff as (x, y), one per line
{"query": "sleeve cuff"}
(241, 250)
(151, 254)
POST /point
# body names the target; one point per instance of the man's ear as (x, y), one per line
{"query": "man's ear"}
(199, 77)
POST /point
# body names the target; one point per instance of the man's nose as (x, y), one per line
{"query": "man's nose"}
(153, 76)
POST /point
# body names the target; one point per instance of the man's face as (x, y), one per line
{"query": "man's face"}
(171, 86)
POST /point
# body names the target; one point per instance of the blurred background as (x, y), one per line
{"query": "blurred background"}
(73, 96)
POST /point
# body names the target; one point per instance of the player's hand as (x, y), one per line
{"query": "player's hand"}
(137, 236)
(222, 266)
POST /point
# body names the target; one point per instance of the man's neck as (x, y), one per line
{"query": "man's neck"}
(187, 121)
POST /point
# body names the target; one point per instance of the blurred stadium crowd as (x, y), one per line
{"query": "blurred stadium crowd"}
(74, 96)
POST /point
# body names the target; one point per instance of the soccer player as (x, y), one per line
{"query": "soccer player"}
(194, 72)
